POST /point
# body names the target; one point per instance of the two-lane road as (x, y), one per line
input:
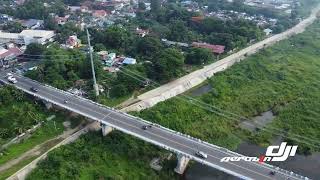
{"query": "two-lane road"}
(157, 135)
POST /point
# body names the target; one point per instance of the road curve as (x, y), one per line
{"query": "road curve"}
(157, 135)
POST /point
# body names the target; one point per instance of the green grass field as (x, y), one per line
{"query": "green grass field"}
(116, 156)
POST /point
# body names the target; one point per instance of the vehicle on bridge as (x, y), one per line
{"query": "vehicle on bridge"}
(146, 127)
(201, 155)
(12, 79)
(33, 89)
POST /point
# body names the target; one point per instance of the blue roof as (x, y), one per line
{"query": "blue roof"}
(129, 61)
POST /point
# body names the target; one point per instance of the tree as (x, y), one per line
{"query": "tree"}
(99, 47)
(34, 51)
(155, 6)
(199, 56)
(149, 46)
(13, 27)
(169, 65)
(142, 6)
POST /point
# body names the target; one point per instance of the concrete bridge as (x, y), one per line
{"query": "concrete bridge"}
(184, 146)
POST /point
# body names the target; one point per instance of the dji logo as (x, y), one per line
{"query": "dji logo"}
(281, 153)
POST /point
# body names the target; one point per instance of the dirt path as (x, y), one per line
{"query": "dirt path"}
(39, 149)
(195, 78)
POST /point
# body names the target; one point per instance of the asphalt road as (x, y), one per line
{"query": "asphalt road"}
(157, 135)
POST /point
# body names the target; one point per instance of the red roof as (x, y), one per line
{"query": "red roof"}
(11, 52)
(219, 49)
(99, 13)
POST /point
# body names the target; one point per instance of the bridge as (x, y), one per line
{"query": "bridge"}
(183, 145)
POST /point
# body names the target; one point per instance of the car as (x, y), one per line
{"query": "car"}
(33, 89)
(272, 173)
(9, 74)
(201, 154)
(12, 79)
(65, 101)
(145, 127)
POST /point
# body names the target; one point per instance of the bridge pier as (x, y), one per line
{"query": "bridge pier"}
(105, 129)
(48, 105)
(182, 164)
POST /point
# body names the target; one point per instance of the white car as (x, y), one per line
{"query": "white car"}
(12, 79)
(201, 155)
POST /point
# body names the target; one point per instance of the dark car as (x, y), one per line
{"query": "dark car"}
(146, 127)
(272, 173)
(33, 89)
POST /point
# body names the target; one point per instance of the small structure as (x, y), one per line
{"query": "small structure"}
(27, 36)
(173, 43)
(129, 61)
(61, 20)
(32, 23)
(217, 49)
(110, 59)
(99, 13)
(9, 56)
(267, 31)
(73, 41)
(142, 32)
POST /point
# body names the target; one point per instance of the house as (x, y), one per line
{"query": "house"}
(27, 36)
(103, 55)
(5, 18)
(32, 23)
(142, 32)
(110, 59)
(129, 61)
(217, 49)
(267, 31)
(99, 13)
(73, 41)
(74, 8)
(61, 20)
(9, 56)
(173, 43)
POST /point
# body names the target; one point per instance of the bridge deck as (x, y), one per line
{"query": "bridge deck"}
(158, 135)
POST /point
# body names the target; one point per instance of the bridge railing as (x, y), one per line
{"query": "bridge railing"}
(196, 140)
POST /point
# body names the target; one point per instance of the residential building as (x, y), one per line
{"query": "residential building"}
(9, 56)
(110, 59)
(129, 61)
(217, 49)
(27, 36)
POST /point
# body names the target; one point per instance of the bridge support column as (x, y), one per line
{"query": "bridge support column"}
(105, 129)
(48, 105)
(182, 164)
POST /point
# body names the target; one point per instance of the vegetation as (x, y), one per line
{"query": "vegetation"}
(284, 78)
(116, 156)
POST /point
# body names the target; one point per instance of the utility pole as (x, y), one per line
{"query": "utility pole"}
(95, 85)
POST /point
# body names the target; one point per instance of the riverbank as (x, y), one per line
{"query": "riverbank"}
(195, 78)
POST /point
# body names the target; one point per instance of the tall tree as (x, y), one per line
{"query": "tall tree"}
(155, 6)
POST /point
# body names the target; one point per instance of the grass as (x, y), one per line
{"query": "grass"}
(284, 78)
(116, 156)
(45, 132)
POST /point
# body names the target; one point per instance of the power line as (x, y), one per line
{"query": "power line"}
(217, 111)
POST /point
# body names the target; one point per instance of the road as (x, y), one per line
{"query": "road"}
(157, 135)
(195, 78)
